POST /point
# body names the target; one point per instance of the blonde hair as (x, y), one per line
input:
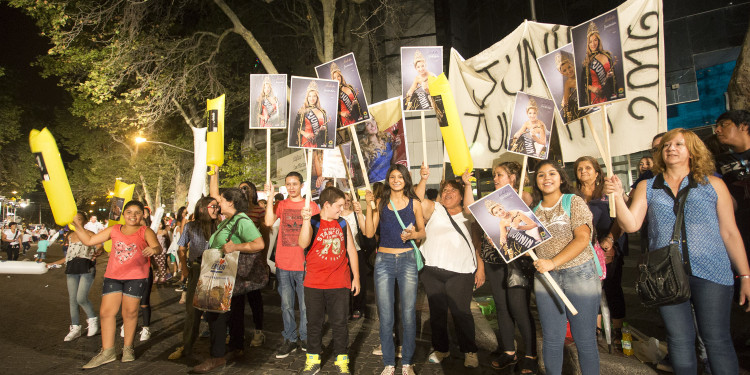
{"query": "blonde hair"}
(701, 161)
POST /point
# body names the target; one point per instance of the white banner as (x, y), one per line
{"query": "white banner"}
(485, 87)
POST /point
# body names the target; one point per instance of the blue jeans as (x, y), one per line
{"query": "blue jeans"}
(712, 303)
(78, 295)
(290, 282)
(389, 269)
(583, 288)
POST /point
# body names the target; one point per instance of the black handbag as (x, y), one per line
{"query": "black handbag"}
(665, 276)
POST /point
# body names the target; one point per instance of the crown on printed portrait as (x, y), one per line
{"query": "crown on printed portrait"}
(561, 59)
(334, 68)
(592, 30)
(313, 86)
(532, 104)
(418, 57)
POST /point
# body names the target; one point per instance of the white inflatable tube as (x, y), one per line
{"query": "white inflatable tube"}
(158, 213)
(198, 181)
(22, 268)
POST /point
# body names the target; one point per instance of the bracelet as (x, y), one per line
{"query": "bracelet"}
(742, 277)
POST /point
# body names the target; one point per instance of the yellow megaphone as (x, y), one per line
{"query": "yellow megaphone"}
(450, 125)
(123, 195)
(54, 179)
(215, 134)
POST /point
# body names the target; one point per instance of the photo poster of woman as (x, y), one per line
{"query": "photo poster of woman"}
(418, 64)
(559, 73)
(598, 56)
(531, 126)
(312, 113)
(509, 223)
(268, 101)
(352, 103)
(382, 139)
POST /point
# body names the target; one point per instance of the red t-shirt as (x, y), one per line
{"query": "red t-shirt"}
(327, 263)
(289, 256)
(126, 260)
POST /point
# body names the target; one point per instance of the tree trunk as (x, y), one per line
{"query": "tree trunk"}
(146, 194)
(240, 29)
(158, 193)
(739, 85)
(329, 11)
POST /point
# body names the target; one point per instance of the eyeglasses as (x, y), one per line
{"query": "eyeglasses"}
(213, 206)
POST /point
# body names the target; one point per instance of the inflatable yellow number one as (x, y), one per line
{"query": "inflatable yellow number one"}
(215, 135)
(123, 195)
(54, 179)
(450, 125)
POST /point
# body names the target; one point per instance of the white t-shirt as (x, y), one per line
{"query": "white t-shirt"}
(352, 222)
(26, 237)
(444, 247)
(9, 234)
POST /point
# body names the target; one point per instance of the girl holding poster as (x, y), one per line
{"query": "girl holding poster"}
(598, 72)
(567, 258)
(311, 120)
(268, 106)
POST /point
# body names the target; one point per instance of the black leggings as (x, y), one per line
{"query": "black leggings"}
(512, 307)
(236, 318)
(146, 300)
(612, 287)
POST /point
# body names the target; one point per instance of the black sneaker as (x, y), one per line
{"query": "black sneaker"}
(303, 345)
(286, 348)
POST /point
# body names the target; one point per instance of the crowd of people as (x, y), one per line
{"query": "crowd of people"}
(408, 234)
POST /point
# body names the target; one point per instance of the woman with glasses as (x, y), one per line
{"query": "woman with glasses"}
(192, 243)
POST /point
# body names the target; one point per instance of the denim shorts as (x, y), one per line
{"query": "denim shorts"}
(131, 288)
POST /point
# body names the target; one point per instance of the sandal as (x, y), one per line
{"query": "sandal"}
(529, 365)
(503, 360)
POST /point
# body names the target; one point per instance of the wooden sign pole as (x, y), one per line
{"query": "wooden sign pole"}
(355, 140)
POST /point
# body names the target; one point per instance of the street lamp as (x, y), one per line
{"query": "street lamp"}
(139, 140)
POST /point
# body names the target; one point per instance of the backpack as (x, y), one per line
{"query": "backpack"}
(315, 223)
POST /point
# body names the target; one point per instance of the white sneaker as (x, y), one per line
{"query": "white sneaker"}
(93, 326)
(471, 360)
(122, 331)
(75, 332)
(437, 356)
(145, 334)
(408, 370)
(389, 370)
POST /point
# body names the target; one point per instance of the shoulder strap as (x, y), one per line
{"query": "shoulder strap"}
(458, 229)
(234, 227)
(315, 224)
(395, 211)
(343, 224)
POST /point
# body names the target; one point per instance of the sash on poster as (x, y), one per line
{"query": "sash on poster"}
(531, 126)
(268, 101)
(418, 64)
(509, 223)
(352, 102)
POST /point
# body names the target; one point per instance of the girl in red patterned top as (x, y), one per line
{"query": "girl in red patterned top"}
(125, 279)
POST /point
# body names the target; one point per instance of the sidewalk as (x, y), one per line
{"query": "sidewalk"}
(35, 320)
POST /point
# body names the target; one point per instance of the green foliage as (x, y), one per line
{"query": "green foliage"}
(239, 166)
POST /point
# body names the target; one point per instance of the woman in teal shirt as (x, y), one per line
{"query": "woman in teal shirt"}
(246, 239)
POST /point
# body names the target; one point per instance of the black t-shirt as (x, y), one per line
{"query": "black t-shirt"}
(735, 171)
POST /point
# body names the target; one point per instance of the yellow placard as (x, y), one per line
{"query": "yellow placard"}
(215, 134)
(123, 195)
(450, 125)
(54, 179)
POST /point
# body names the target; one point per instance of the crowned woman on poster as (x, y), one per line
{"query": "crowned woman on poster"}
(569, 104)
(418, 96)
(531, 138)
(311, 119)
(378, 150)
(268, 106)
(349, 109)
(598, 69)
(512, 221)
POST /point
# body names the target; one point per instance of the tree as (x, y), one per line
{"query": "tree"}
(739, 84)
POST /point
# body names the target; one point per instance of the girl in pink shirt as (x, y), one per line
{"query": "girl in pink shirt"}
(125, 279)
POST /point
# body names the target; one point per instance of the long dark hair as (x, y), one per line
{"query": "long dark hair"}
(598, 183)
(565, 186)
(203, 220)
(408, 187)
(251, 192)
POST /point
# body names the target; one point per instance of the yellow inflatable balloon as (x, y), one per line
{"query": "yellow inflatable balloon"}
(54, 179)
(123, 195)
(215, 135)
(450, 125)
